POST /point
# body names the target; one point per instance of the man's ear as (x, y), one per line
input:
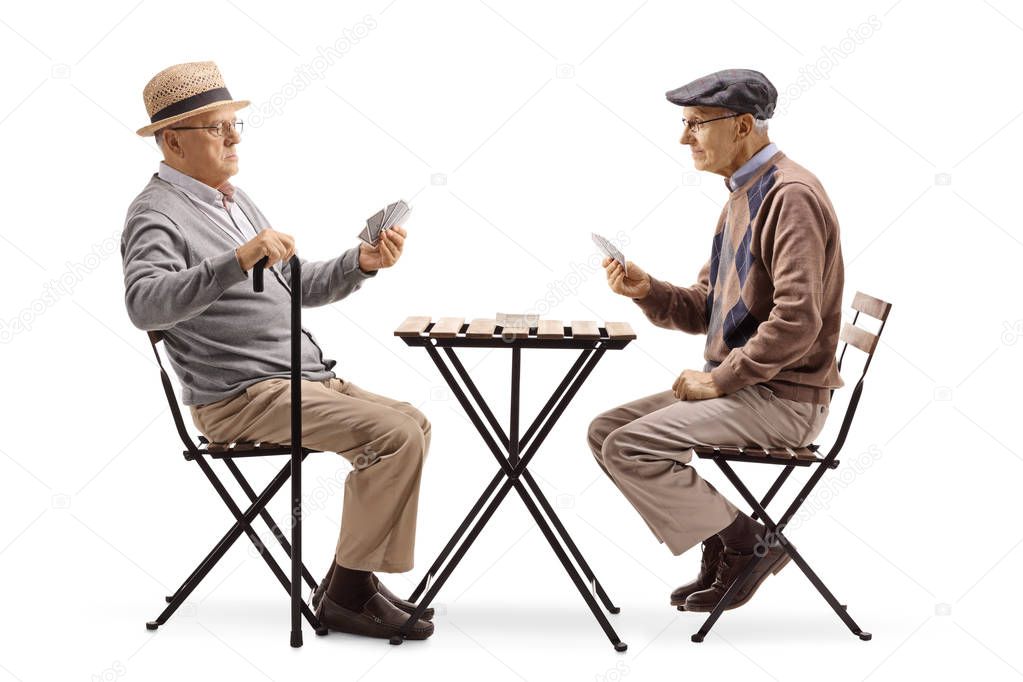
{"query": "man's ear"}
(171, 144)
(745, 126)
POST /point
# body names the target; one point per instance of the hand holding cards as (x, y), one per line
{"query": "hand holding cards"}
(631, 282)
(610, 250)
(394, 214)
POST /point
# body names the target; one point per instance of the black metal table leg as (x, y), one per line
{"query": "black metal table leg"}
(567, 539)
(424, 603)
(473, 513)
(616, 641)
(513, 462)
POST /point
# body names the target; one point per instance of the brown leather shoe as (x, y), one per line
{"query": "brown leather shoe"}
(378, 618)
(318, 593)
(712, 547)
(730, 566)
(406, 606)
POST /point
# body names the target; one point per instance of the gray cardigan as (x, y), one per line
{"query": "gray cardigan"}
(181, 276)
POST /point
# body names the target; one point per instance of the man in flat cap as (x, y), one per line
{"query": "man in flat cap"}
(189, 241)
(769, 300)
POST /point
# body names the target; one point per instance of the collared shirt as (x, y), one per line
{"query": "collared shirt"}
(747, 169)
(221, 210)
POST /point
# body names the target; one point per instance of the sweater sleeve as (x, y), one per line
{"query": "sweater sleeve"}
(682, 308)
(330, 280)
(324, 281)
(160, 289)
(792, 242)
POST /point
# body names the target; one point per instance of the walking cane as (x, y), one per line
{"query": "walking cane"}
(296, 436)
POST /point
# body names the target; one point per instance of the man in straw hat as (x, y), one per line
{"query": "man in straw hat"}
(769, 300)
(189, 240)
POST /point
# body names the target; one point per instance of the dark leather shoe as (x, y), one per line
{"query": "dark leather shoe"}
(730, 566)
(318, 593)
(712, 547)
(406, 606)
(377, 618)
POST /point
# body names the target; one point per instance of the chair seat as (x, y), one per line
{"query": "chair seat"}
(241, 449)
(804, 456)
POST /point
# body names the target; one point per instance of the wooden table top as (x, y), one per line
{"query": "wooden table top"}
(553, 332)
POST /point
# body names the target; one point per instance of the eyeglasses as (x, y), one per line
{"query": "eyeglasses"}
(694, 126)
(220, 130)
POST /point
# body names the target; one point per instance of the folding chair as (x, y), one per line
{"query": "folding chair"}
(789, 459)
(227, 453)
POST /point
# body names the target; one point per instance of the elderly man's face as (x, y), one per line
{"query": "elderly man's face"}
(201, 153)
(715, 145)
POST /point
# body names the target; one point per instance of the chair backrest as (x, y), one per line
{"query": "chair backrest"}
(864, 341)
(155, 337)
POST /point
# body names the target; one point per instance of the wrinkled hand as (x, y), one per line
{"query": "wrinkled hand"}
(386, 252)
(693, 385)
(277, 246)
(636, 285)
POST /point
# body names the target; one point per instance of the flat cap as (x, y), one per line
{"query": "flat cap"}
(742, 90)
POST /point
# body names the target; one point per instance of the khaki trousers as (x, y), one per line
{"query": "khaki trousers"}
(645, 447)
(386, 441)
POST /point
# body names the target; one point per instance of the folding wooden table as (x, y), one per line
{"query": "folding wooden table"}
(513, 451)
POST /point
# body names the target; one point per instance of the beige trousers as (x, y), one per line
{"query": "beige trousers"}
(386, 441)
(645, 447)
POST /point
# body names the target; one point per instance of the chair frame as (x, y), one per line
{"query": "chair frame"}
(790, 458)
(198, 452)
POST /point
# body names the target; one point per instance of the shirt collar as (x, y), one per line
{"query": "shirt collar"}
(199, 189)
(748, 169)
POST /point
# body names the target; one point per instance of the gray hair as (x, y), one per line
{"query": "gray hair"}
(760, 125)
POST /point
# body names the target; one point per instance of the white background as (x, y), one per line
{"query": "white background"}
(515, 129)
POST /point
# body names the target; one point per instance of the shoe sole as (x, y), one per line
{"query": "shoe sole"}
(385, 632)
(317, 596)
(778, 565)
(418, 636)
(682, 602)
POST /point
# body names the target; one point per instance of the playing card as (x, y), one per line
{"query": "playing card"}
(610, 250)
(396, 214)
(393, 214)
(388, 216)
(373, 225)
(527, 320)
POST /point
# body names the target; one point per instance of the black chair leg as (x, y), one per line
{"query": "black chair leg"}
(725, 600)
(776, 534)
(265, 515)
(242, 524)
(211, 560)
(838, 608)
(778, 482)
(215, 552)
(246, 525)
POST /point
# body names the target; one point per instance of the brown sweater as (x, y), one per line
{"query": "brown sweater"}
(770, 297)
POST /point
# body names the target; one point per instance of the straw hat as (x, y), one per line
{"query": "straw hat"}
(185, 90)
